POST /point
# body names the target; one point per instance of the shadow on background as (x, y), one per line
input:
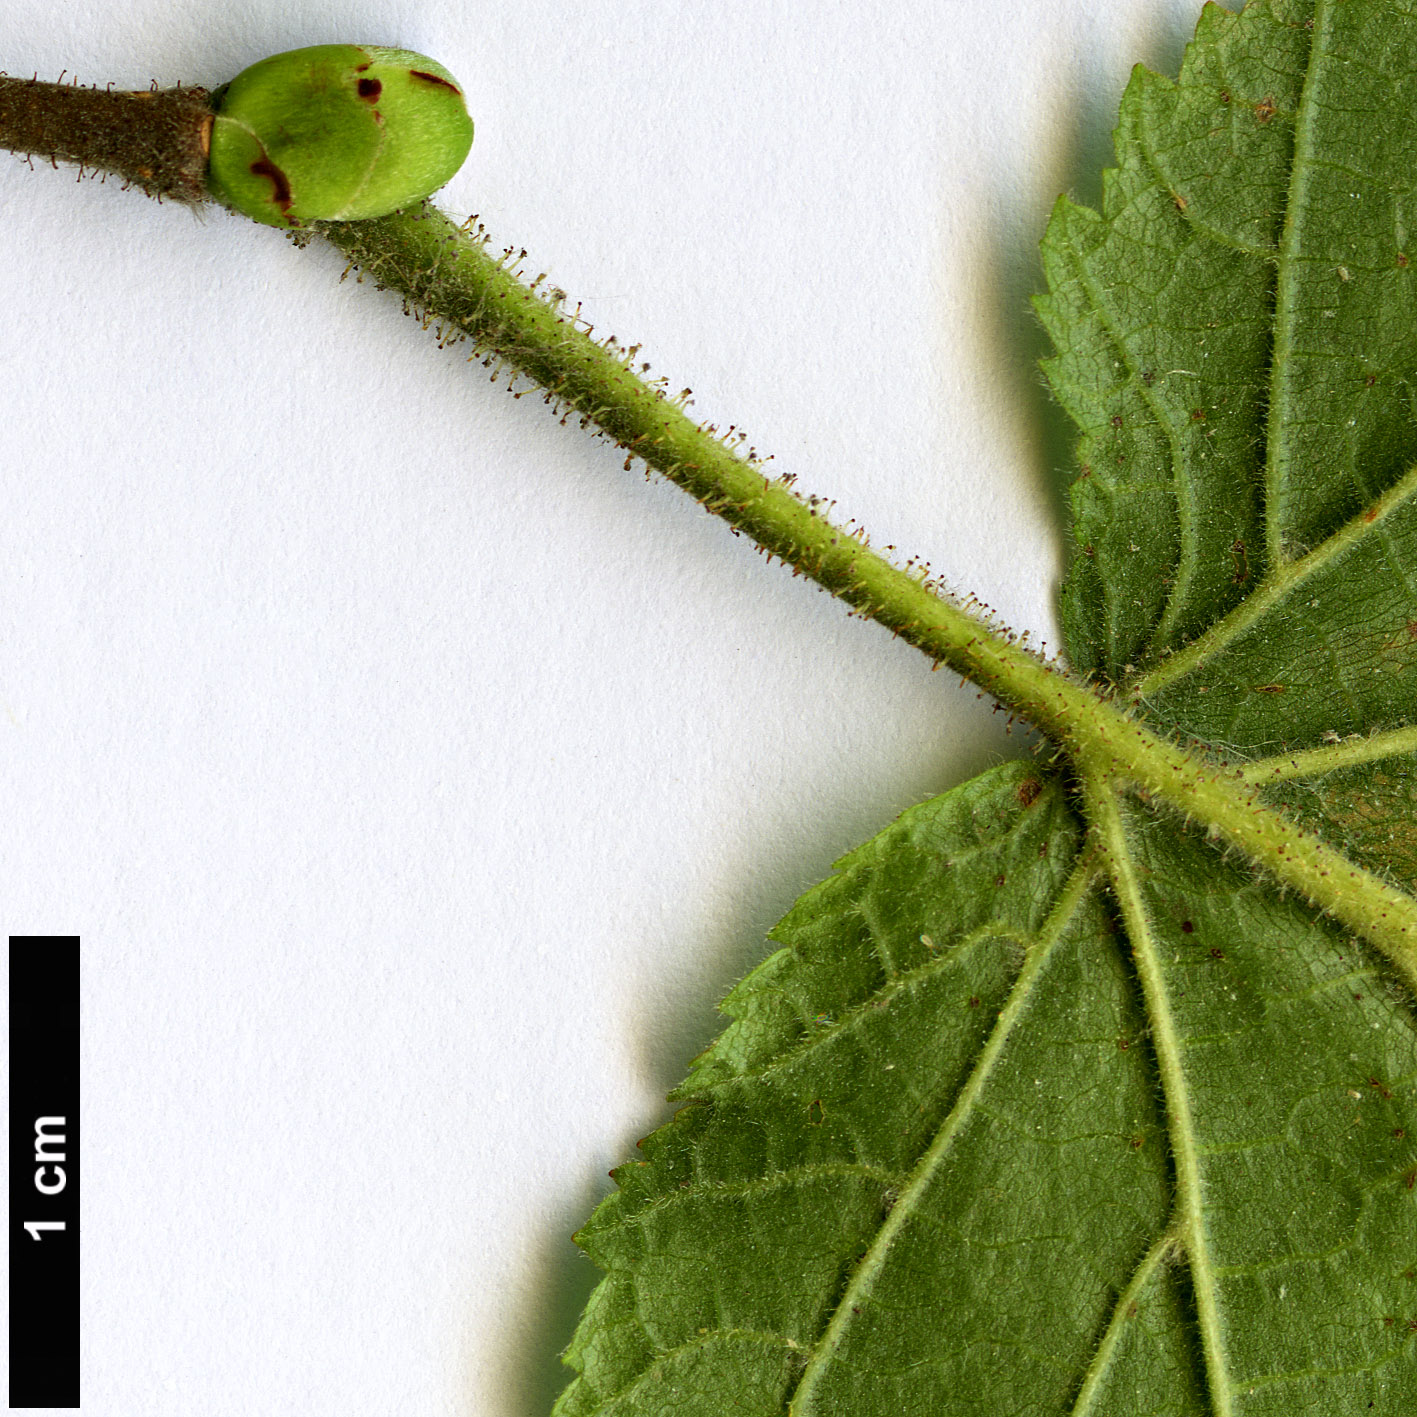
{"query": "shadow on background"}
(553, 1287)
(558, 1279)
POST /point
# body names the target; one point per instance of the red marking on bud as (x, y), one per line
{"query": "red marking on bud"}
(280, 183)
(428, 78)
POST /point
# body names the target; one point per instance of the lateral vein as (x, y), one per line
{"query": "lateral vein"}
(1104, 812)
(1286, 296)
(1283, 578)
(864, 1279)
(1317, 762)
(1122, 1313)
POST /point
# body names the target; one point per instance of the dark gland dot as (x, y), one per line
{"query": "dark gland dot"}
(370, 88)
(1028, 790)
(1187, 926)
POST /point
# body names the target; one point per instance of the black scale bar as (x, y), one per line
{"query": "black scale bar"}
(44, 1171)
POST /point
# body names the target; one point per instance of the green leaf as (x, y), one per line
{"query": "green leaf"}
(1050, 1103)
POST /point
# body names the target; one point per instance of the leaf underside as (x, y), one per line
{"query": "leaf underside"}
(1048, 1104)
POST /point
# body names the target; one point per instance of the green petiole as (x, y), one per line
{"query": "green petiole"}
(303, 139)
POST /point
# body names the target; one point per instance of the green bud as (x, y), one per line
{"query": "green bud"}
(338, 132)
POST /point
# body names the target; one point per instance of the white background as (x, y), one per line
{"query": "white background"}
(417, 778)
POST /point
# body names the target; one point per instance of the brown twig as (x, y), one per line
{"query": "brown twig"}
(157, 139)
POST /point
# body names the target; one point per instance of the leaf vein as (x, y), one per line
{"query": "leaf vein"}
(1105, 813)
(1069, 901)
(1283, 579)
